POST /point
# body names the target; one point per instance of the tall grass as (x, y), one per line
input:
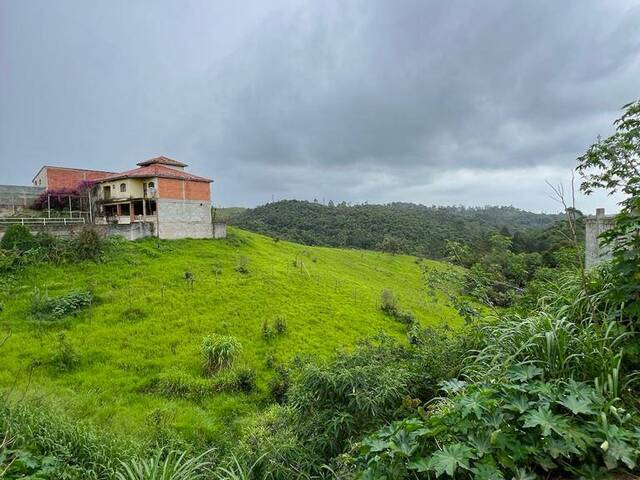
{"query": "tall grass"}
(572, 336)
(166, 465)
(219, 352)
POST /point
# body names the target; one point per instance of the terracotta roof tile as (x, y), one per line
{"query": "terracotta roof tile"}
(156, 170)
(162, 161)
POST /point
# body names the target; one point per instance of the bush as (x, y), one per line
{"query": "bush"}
(243, 265)
(388, 302)
(64, 357)
(280, 325)
(219, 352)
(267, 331)
(88, 245)
(166, 465)
(522, 427)
(44, 307)
(244, 380)
(18, 237)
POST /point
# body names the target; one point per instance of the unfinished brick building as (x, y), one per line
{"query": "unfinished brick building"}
(160, 196)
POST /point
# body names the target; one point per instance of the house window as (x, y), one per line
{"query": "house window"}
(123, 187)
(151, 185)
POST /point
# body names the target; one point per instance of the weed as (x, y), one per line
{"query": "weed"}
(219, 352)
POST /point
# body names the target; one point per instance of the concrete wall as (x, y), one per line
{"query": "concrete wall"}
(595, 253)
(184, 219)
(219, 230)
(131, 231)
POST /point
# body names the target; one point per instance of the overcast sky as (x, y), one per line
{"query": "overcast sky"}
(435, 102)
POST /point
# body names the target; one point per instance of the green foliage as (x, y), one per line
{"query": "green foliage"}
(39, 436)
(390, 306)
(88, 245)
(554, 428)
(44, 307)
(179, 384)
(280, 325)
(242, 266)
(243, 380)
(166, 465)
(64, 357)
(219, 352)
(17, 237)
(396, 227)
(613, 165)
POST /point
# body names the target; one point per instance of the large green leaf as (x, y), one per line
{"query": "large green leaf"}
(544, 418)
(450, 458)
(577, 405)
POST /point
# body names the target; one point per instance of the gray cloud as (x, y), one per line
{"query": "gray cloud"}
(425, 101)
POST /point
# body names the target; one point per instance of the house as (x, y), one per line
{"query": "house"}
(160, 196)
(60, 178)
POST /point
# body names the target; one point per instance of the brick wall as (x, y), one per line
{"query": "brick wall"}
(57, 178)
(170, 188)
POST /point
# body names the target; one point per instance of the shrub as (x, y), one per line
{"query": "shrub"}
(18, 237)
(279, 385)
(522, 427)
(44, 307)
(219, 352)
(243, 265)
(88, 245)
(280, 325)
(388, 302)
(64, 357)
(267, 331)
(244, 380)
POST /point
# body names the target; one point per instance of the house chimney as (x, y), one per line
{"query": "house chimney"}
(599, 213)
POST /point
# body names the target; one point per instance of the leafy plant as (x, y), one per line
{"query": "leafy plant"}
(219, 352)
(44, 307)
(613, 164)
(18, 237)
(166, 465)
(64, 357)
(501, 430)
(88, 245)
(242, 266)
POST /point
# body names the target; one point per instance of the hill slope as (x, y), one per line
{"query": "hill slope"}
(147, 320)
(421, 230)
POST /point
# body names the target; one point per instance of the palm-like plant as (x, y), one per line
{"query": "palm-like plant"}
(166, 465)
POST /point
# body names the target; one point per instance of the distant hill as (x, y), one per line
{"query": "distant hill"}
(418, 229)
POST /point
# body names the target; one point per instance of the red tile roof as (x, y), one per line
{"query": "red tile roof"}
(162, 161)
(156, 170)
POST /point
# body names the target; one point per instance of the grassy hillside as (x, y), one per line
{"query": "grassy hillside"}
(147, 320)
(406, 227)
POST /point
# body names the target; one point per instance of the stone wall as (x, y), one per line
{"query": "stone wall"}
(184, 219)
(594, 252)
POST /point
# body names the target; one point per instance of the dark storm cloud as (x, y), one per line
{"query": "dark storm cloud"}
(427, 101)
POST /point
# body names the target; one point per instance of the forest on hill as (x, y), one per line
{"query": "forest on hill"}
(409, 228)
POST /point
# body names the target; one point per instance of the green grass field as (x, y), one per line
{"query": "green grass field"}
(147, 319)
